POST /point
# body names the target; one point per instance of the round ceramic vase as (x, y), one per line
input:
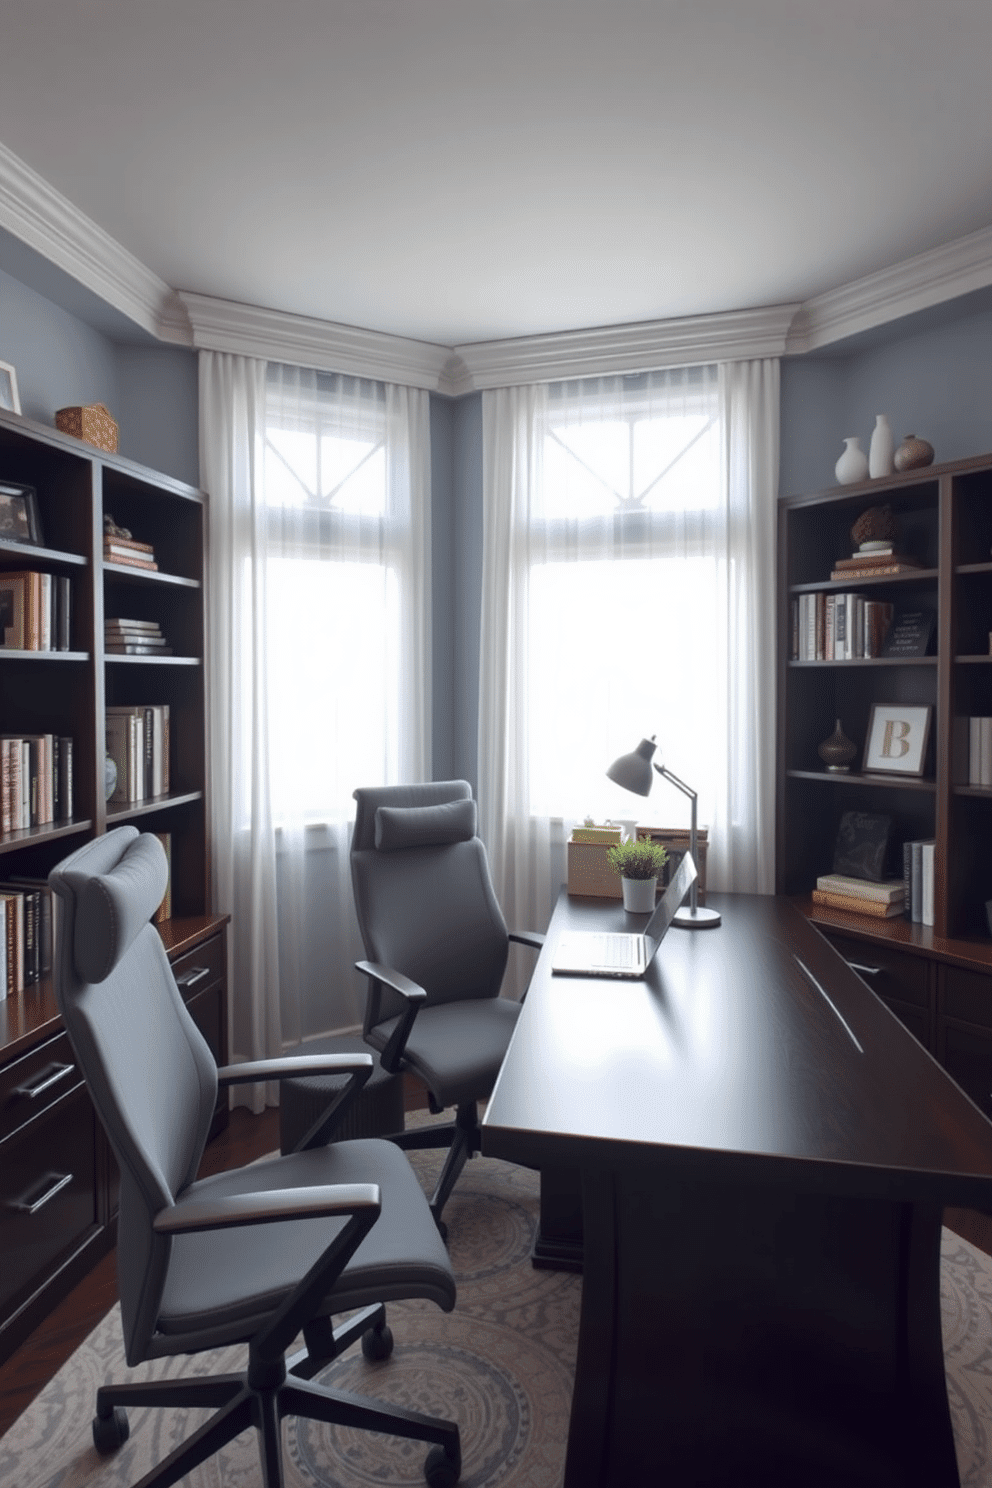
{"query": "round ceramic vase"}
(853, 463)
(913, 454)
(880, 449)
(638, 894)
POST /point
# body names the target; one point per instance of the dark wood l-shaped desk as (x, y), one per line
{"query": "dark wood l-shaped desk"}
(765, 1154)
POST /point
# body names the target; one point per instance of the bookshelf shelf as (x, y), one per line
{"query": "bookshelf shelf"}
(937, 979)
(78, 486)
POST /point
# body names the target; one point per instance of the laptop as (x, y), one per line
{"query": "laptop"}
(593, 953)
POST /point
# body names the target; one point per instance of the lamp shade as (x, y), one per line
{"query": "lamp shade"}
(633, 771)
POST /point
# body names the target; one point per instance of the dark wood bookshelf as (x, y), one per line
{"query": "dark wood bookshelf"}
(66, 693)
(937, 979)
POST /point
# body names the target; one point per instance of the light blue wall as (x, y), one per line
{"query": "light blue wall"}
(151, 390)
(933, 380)
(59, 360)
(159, 409)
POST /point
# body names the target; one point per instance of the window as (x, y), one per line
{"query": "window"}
(341, 593)
(622, 634)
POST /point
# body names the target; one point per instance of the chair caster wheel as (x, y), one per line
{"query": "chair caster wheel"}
(440, 1470)
(377, 1343)
(111, 1432)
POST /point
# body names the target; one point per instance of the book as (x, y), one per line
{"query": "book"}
(886, 892)
(135, 648)
(875, 570)
(609, 835)
(910, 633)
(927, 886)
(127, 559)
(128, 543)
(3, 949)
(13, 611)
(980, 752)
(15, 938)
(862, 845)
(870, 907)
(63, 614)
(131, 627)
(881, 557)
(65, 778)
(40, 887)
(164, 911)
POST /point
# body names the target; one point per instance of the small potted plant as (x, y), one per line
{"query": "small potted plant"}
(638, 864)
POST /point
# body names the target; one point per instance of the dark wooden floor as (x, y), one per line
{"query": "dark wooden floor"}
(247, 1137)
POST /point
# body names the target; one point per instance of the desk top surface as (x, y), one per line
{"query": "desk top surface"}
(749, 1046)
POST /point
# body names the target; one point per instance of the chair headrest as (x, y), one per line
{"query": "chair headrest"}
(398, 827)
(114, 907)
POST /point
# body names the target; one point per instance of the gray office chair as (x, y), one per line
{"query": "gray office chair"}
(250, 1256)
(437, 946)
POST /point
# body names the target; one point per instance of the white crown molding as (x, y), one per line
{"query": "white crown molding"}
(249, 330)
(46, 221)
(736, 335)
(38, 215)
(918, 283)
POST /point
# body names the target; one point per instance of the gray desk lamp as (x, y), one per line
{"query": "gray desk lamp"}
(633, 772)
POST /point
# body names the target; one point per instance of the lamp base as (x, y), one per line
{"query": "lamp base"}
(699, 918)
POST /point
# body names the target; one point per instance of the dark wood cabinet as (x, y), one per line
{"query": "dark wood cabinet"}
(936, 978)
(58, 1180)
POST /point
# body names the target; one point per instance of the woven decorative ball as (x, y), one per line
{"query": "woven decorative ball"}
(877, 524)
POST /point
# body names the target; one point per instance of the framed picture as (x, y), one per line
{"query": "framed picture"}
(897, 739)
(9, 398)
(20, 521)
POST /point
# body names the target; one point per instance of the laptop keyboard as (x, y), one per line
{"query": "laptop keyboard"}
(615, 951)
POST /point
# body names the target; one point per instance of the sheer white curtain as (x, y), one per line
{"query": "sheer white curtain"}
(628, 590)
(319, 667)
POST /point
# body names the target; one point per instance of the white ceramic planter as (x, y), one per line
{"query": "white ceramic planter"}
(638, 894)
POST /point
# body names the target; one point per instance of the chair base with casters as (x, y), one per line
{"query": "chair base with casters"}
(264, 1393)
(254, 1255)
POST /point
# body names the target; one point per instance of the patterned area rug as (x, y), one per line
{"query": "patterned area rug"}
(501, 1365)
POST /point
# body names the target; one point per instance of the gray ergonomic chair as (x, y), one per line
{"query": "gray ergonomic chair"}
(437, 946)
(251, 1256)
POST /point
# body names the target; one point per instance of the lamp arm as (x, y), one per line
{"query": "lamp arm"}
(686, 790)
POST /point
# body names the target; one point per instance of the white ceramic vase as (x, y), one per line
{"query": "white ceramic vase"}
(881, 448)
(853, 463)
(639, 894)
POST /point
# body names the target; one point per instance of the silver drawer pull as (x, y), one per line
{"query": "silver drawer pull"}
(195, 974)
(28, 1205)
(866, 970)
(44, 1081)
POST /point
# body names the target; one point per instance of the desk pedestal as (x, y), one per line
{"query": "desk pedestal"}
(737, 1333)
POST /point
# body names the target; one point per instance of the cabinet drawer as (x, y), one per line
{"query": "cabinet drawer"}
(967, 1057)
(892, 973)
(47, 1203)
(34, 1082)
(916, 1019)
(200, 968)
(966, 995)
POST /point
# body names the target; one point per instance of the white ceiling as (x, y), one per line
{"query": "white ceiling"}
(465, 170)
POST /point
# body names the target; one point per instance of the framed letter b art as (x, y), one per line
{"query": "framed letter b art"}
(897, 739)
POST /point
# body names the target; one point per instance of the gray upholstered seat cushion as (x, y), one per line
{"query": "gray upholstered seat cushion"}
(456, 1048)
(403, 1255)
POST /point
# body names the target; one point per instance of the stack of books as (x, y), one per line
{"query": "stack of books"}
(134, 638)
(918, 871)
(35, 611)
(860, 895)
(25, 934)
(880, 561)
(838, 627)
(35, 780)
(980, 752)
(128, 550)
(138, 743)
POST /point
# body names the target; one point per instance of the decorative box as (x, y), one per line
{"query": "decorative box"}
(609, 835)
(92, 423)
(589, 873)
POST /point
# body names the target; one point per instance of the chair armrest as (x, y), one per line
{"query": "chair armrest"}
(532, 938)
(267, 1207)
(413, 995)
(293, 1065)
